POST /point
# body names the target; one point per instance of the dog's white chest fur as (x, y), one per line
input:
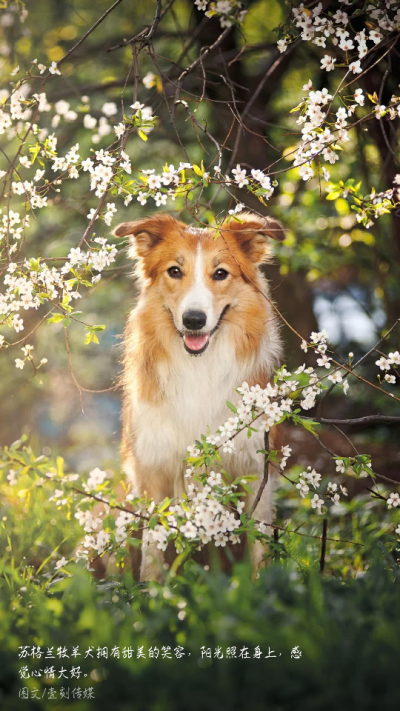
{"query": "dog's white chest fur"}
(193, 394)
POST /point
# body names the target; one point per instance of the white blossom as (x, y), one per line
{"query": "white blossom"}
(393, 500)
(109, 109)
(54, 68)
(61, 563)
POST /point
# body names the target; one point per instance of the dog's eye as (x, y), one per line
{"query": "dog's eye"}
(175, 273)
(220, 275)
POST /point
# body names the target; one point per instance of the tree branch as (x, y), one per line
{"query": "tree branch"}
(368, 419)
(265, 477)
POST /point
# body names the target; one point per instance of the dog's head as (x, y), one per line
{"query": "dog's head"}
(199, 274)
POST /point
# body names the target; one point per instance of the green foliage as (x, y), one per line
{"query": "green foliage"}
(348, 637)
(345, 622)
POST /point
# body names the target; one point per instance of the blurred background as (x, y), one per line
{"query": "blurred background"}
(329, 273)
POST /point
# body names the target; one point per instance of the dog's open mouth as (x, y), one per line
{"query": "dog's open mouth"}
(196, 344)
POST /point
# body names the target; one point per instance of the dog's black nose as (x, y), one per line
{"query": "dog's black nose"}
(194, 320)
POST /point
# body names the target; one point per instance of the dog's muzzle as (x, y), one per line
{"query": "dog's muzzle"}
(197, 343)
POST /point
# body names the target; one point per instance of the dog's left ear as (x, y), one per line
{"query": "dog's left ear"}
(145, 233)
(252, 234)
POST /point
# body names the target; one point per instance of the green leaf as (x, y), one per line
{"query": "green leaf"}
(34, 264)
(109, 522)
(164, 504)
(179, 559)
(297, 108)
(363, 458)
(247, 488)
(307, 424)
(231, 407)
(56, 318)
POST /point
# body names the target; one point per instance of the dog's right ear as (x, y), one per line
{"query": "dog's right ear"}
(145, 234)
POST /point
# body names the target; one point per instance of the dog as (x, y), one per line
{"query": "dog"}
(200, 328)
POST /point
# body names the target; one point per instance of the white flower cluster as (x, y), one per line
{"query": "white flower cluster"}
(388, 363)
(308, 478)
(311, 478)
(200, 517)
(96, 259)
(143, 117)
(18, 107)
(105, 124)
(318, 139)
(173, 181)
(286, 452)
(319, 28)
(376, 204)
(239, 207)
(258, 182)
(228, 11)
(13, 225)
(158, 183)
(62, 111)
(320, 341)
(210, 512)
(103, 167)
(32, 283)
(14, 108)
(205, 518)
(321, 132)
(27, 351)
(270, 402)
(12, 478)
(96, 538)
(100, 169)
(276, 400)
(96, 478)
(391, 112)
(102, 126)
(333, 491)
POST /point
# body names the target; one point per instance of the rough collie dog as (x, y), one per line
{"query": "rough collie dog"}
(201, 327)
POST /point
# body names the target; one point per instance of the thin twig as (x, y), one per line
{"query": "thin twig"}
(80, 388)
(265, 477)
(89, 32)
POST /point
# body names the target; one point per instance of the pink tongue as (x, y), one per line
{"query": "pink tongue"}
(196, 343)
